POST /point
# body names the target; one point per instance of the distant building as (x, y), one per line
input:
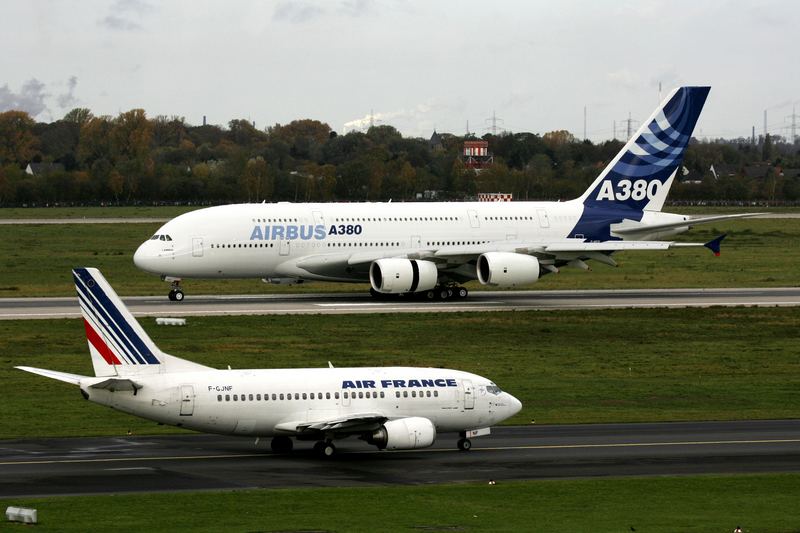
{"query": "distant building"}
(428, 195)
(495, 196)
(435, 144)
(476, 155)
(40, 169)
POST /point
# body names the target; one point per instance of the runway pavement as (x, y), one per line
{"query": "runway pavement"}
(198, 462)
(32, 308)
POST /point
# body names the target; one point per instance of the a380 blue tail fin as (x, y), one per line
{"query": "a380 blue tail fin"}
(639, 177)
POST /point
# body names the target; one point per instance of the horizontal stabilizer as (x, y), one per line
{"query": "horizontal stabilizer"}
(714, 245)
(75, 379)
(650, 228)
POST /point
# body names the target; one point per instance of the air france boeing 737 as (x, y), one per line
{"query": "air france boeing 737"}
(430, 248)
(391, 407)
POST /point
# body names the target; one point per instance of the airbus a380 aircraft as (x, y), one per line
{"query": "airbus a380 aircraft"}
(431, 247)
(393, 408)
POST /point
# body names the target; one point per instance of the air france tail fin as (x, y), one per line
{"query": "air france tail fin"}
(640, 176)
(117, 343)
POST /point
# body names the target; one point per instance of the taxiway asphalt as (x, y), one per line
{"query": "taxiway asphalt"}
(35, 467)
(33, 308)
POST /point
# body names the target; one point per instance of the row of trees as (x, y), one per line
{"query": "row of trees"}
(134, 159)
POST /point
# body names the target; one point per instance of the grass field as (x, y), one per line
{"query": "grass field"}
(95, 212)
(763, 503)
(35, 260)
(565, 366)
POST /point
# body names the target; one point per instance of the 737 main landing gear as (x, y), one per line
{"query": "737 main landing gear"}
(282, 444)
(325, 448)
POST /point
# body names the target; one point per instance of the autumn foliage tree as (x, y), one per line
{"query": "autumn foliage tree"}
(131, 158)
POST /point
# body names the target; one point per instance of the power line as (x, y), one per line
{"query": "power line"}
(493, 121)
(629, 125)
(793, 116)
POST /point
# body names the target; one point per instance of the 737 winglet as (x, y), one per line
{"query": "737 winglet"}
(714, 245)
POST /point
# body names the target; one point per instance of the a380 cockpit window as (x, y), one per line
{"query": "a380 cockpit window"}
(493, 389)
(160, 238)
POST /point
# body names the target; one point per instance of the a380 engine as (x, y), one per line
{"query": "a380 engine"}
(404, 434)
(396, 276)
(507, 269)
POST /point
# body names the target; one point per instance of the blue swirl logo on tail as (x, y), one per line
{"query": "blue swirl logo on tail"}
(644, 166)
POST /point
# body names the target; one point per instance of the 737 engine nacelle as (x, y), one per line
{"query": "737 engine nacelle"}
(507, 269)
(396, 276)
(404, 434)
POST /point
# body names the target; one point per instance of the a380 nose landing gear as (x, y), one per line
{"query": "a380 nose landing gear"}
(175, 292)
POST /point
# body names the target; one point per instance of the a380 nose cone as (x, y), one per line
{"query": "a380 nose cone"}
(145, 259)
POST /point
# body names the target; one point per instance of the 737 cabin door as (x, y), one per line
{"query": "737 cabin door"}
(469, 394)
(187, 400)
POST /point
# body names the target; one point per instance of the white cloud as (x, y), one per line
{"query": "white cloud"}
(30, 98)
(67, 100)
(126, 15)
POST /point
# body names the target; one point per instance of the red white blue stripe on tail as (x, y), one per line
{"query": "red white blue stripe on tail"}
(115, 338)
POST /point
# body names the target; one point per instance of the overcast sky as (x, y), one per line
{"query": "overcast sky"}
(417, 65)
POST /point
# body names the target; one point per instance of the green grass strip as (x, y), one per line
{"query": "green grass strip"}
(763, 503)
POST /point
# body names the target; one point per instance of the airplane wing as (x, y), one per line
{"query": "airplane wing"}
(344, 425)
(549, 253)
(74, 379)
(630, 228)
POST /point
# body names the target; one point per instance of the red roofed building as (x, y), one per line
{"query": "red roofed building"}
(476, 154)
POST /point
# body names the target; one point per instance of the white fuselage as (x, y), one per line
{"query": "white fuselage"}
(275, 402)
(296, 241)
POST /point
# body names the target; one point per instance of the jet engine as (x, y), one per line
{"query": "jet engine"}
(404, 434)
(396, 276)
(507, 269)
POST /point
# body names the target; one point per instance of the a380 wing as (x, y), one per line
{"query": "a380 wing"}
(548, 252)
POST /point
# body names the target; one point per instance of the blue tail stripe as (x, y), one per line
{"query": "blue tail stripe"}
(120, 325)
(96, 309)
(117, 323)
(96, 322)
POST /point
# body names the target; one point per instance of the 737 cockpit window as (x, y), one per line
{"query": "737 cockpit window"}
(493, 389)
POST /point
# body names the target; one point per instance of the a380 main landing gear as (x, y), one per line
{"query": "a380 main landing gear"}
(439, 293)
(446, 292)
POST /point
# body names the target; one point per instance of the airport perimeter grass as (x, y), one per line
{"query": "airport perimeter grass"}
(565, 366)
(35, 260)
(142, 211)
(763, 503)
